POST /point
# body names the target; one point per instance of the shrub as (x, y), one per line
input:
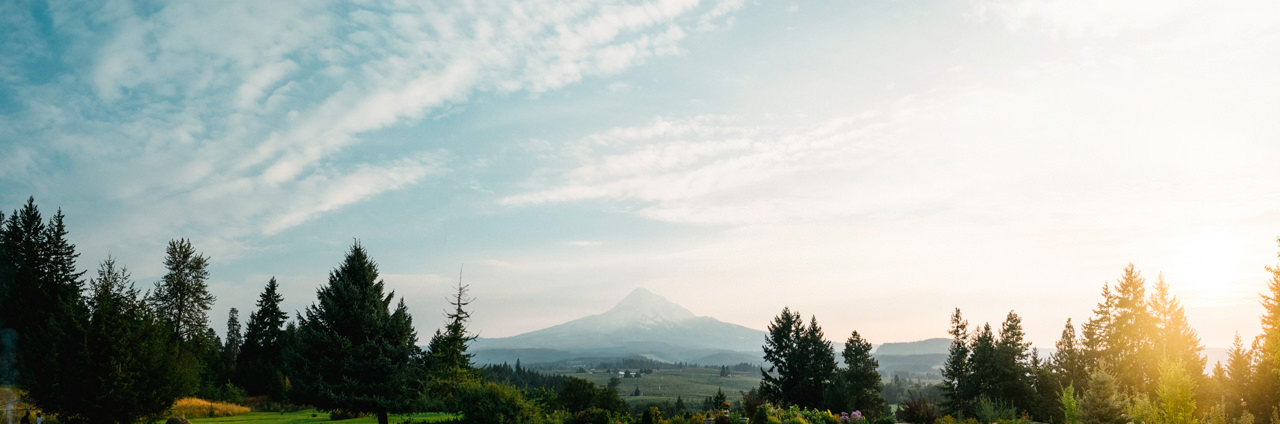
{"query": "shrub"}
(884, 420)
(917, 410)
(200, 408)
(990, 412)
(497, 403)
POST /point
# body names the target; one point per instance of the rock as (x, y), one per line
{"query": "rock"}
(177, 420)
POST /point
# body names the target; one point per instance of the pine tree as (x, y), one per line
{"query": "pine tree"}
(448, 365)
(1069, 362)
(1237, 377)
(43, 305)
(819, 370)
(1176, 390)
(1013, 383)
(1129, 335)
(354, 350)
(1101, 401)
(260, 366)
(234, 339)
(861, 378)
(1265, 386)
(780, 381)
(956, 383)
(1174, 338)
(183, 300)
(1095, 332)
(125, 373)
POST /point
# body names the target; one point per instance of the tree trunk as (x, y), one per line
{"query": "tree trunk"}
(382, 417)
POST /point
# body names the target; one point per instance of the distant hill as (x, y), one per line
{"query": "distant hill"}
(643, 324)
(922, 347)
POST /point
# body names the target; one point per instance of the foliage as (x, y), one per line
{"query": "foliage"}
(447, 362)
(496, 403)
(125, 369)
(353, 350)
(860, 379)
(200, 408)
(1101, 402)
(1070, 408)
(989, 411)
(917, 410)
(1176, 391)
(802, 364)
(956, 385)
(182, 299)
(260, 366)
(42, 305)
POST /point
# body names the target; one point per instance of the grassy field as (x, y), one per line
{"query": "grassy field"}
(320, 417)
(692, 384)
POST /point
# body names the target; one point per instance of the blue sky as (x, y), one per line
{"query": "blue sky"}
(874, 163)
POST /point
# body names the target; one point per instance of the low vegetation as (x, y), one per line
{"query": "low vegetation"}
(199, 408)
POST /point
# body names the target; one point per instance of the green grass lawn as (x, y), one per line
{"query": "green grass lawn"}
(692, 384)
(320, 417)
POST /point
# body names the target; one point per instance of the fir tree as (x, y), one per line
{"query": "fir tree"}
(1174, 339)
(1128, 335)
(1013, 383)
(183, 301)
(780, 381)
(1101, 401)
(956, 370)
(1176, 390)
(861, 378)
(125, 373)
(1236, 377)
(448, 364)
(354, 349)
(1265, 385)
(1068, 362)
(260, 366)
(43, 305)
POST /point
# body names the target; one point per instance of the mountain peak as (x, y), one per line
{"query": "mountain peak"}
(644, 306)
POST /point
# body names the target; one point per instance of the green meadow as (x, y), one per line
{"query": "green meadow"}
(313, 416)
(693, 384)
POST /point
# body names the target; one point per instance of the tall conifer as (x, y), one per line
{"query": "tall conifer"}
(354, 350)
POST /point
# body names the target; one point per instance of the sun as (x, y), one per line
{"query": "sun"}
(1208, 267)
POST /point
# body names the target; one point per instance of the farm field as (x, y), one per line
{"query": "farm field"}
(305, 416)
(692, 384)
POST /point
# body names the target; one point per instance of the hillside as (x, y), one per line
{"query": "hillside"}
(643, 324)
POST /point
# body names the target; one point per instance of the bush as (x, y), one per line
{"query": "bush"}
(917, 410)
(200, 408)
(497, 403)
(884, 420)
(342, 414)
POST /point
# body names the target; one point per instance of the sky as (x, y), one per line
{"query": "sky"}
(875, 164)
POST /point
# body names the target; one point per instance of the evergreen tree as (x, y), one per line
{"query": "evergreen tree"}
(448, 365)
(1265, 385)
(1176, 389)
(956, 384)
(1069, 363)
(354, 350)
(43, 305)
(1236, 377)
(1174, 339)
(1101, 401)
(234, 339)
(260, 366)
(679, 406)
(183, 300)
(861, 378)
(819, 370)
(1013, 384)
(985, 373)
(780, 382)
(125, 373)
(1070, 406)
(1129, 335)
(182, 297)
(1094, 335)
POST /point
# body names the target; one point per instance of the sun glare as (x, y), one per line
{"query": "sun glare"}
(1205, 268)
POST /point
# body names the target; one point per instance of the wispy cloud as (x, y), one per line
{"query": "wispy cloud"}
(245, 103)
